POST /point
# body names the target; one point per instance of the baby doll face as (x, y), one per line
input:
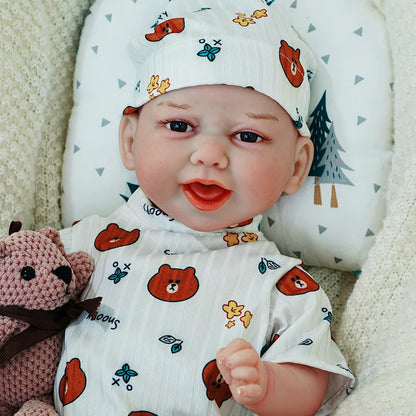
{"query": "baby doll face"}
(214, 156)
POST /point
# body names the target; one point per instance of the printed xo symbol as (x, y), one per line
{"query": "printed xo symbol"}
(126, 373)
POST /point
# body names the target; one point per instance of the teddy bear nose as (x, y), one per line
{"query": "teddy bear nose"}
(64, 273)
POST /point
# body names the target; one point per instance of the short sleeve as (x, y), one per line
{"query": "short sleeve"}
(301, 317)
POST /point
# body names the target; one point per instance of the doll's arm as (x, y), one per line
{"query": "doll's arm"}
(267, 388)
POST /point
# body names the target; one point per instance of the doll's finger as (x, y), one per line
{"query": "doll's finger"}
(222, 367)
(222, 360)
(243, 358)
(234, 346)
(247, 374)
(237, 352)
(249, 394)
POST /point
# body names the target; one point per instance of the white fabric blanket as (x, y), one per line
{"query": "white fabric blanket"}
(375, 314)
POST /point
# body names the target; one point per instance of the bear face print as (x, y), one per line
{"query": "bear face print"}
(296, 282)
(72, 383)
(114, 236)
(165, 28)
(173, 285)
(217, 388)
(290, 60)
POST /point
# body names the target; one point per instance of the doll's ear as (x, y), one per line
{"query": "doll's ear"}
(126, 135)
(302, 164)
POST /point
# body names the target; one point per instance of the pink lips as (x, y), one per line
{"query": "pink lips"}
(206, 195)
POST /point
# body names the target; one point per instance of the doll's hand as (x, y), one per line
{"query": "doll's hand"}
(244, 372)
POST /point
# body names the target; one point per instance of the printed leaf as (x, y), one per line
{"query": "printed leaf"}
(272, 265)
(126, 373)
(167, 339)
(262, 267)
(119, 273)
(131, 373)
(176, 348)
(267, 264)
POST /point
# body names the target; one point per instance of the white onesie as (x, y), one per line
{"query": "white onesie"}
(172, 297)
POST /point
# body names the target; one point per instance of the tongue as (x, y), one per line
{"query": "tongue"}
(208, 192)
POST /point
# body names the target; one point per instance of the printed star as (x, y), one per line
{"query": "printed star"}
(153, 84)
(246, 319)
(230, 324)
(232, 309)
(258, 14)
(164, 85)
(242, 20)
(249, 237)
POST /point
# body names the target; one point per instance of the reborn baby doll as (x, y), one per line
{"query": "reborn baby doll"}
(202, 315)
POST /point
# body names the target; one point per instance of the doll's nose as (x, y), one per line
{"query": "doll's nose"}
(63, 273)
(211, 153)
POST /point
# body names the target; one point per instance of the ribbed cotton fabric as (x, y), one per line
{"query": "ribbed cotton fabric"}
(171, 298)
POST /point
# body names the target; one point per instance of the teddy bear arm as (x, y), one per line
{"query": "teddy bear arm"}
(82, 265)
(8, 327)
(36, 407)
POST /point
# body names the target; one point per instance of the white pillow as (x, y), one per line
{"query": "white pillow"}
(351, 102)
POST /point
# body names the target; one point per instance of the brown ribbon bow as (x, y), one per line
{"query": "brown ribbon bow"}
(42, 324)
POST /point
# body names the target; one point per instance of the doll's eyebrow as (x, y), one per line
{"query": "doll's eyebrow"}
(175, 105)
(262, 116)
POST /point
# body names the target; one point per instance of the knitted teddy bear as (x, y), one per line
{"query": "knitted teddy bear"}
(39, 283)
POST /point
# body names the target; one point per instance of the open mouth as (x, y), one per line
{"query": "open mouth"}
(206, 195)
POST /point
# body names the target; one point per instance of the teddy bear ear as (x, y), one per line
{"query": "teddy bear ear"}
(53, 234)
(14, 227)
(3, 246)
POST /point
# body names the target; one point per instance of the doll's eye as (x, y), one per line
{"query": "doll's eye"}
(249, 137)
(178, 126)
(28, 273)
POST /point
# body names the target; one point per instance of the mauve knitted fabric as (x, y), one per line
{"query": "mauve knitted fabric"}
(30, 265)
